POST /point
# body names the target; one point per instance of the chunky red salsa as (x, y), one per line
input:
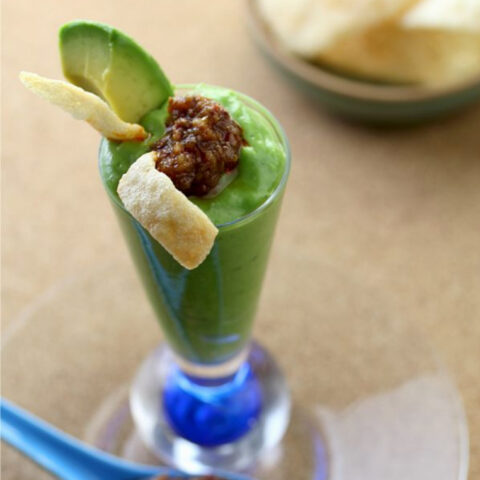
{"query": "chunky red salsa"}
(200, 144)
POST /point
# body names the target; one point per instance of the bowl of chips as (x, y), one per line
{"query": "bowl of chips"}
(382, 61)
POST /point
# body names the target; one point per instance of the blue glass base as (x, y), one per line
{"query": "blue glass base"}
(212, 415)
(197, 423)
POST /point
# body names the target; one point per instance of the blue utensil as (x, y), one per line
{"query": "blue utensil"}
(70, 459)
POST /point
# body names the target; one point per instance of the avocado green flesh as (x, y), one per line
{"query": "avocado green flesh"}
(108, 63)
(260, 166)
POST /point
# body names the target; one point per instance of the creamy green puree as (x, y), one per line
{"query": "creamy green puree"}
(261, 163)
(206, 313)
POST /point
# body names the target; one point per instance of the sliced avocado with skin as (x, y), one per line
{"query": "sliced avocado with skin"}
(107, 62)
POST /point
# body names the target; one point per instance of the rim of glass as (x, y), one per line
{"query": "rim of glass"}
(277, 128)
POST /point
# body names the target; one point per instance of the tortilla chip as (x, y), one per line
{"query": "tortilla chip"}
(177, 224)
(308, 26)
(83, 106)
(456, 15)
(391, 53)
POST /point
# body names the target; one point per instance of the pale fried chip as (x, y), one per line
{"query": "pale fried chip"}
(177, 224)
(392, 53)
(83, 106)
(457, 15)
(307, 27)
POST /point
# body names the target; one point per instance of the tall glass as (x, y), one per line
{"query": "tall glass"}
(208, 396)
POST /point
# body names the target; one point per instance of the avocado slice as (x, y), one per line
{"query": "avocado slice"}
(107, 62)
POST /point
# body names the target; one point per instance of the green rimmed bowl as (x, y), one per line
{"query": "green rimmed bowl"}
(359, 99)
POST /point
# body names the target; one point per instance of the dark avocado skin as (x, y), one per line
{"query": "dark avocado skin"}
(105, 61)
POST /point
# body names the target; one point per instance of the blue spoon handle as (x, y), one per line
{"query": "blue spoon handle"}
(61, 454)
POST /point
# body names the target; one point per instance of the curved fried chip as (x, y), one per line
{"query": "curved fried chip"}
(390, 52)
(307, 27)
(177, 224)
(456, 15)
(83, 106)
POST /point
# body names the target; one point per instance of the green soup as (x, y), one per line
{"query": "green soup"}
(207, 313)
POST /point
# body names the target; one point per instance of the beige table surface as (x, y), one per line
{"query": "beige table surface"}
(398, 210)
